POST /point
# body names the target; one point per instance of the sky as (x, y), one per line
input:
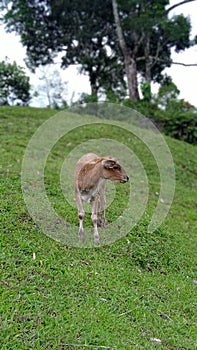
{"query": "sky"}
(184, 77)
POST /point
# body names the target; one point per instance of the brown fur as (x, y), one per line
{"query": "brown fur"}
(91, 173)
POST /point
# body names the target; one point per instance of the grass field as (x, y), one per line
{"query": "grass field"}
(138, 293)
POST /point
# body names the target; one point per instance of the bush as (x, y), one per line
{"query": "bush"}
(183, 126)
(178, 119)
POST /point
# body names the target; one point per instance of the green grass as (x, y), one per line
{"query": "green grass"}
(113, 297)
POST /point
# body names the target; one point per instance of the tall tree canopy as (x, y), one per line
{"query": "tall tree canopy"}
(108, 38)
(146, 36)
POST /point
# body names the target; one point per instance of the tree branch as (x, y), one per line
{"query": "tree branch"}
(119, 32)
(184, 64)
(170, 62)
(176, 5)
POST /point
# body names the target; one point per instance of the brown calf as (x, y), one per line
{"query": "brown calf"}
(91, 173)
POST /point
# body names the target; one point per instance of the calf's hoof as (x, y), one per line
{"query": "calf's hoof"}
(96, 240)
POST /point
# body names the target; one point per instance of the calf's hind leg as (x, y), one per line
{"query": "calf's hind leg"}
(81, 235)
(81, 215)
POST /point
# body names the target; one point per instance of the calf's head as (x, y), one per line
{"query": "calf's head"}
(112, 170)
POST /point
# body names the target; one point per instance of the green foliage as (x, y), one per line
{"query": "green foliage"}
(146, 91)
(150, 35)
(86, 98)
(177, 31)
(48, 27)
(181, 125)
(14, 84)
(167, 93)
(86, 33)
(175, 117)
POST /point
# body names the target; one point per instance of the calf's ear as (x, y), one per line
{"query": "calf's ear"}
(108, 164)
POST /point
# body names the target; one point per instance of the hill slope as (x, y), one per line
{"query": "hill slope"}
(124, 296)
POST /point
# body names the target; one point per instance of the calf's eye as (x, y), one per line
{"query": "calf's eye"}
(116, 167)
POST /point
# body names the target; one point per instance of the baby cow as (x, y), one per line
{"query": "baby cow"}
(91, 173)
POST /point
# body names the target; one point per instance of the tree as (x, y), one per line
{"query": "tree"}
(78, 30)
(14, 84)
(128, 55)
(86, 38)
(146, 36)
(107, 38)
(53, 90)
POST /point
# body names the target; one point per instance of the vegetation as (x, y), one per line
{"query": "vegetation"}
(14, 84)
(138, 293)
(108, 39)
(173, 116)
(52, 88)
(179, 120)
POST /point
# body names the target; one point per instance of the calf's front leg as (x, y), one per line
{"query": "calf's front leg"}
(102, 220)
(94, 217)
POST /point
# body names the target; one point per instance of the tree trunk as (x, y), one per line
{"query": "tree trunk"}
(93, 83)
(131, 73)
(94, 89)
(148, 75)
(129, 57)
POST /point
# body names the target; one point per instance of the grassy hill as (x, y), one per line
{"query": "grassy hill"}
(138, 293)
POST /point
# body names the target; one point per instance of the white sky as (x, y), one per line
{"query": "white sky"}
(184, 77)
